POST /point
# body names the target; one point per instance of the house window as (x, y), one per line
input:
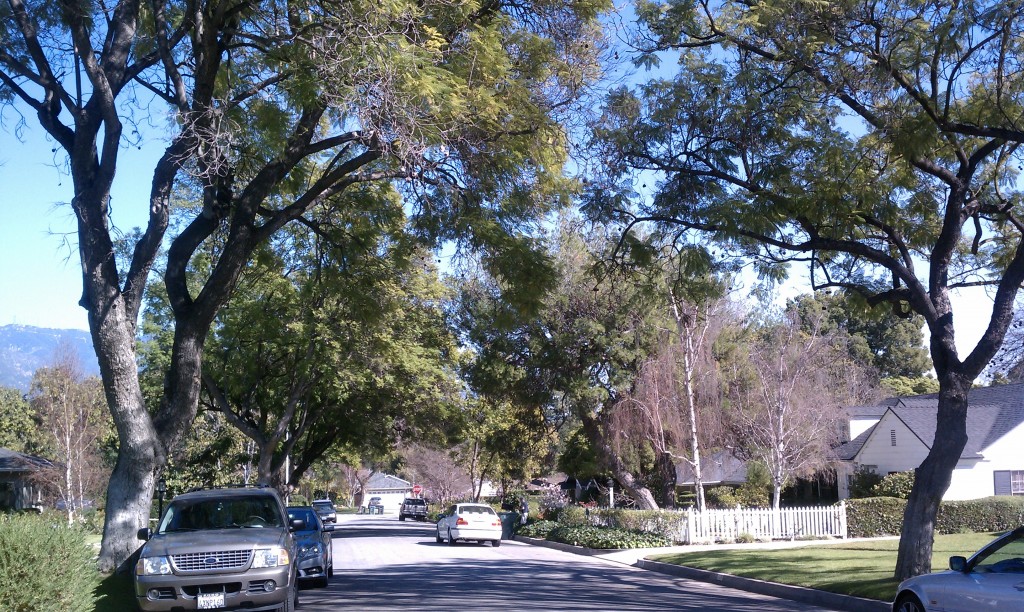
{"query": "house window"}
(892, 436)
(1009, 482)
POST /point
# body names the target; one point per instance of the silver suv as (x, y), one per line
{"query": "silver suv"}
(413, 507)
(220, 548)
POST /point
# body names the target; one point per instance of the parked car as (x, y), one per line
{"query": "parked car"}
(315, 554)
(413, 507)
(375, 506)
(991, 579)
(477, 522)
(220, 548)
(325, 508)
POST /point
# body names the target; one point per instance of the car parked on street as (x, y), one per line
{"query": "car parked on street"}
(313, 543)
(220, 548)
(375, 506)
(325, 508)
(992, 579)
(470, 522)
(413, 507)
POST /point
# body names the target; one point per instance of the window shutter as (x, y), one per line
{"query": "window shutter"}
(1002, 482)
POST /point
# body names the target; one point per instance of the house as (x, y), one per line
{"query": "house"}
(18, 487)
(718, 469)
(391, 490)
(896, 435)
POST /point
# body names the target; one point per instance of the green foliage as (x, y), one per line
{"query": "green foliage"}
(537, 529)
(573, 516)
(667, 524)
(745, 538)
(34, 553)
(904, 386)
(756, 491)
(895, 485)
(18, 431)
(863, 482)
(874, 516)
(605, 538)
(883, 516)
(721, 497)
(1001, 513)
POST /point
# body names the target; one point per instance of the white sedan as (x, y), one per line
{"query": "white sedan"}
(477, 522)
(993, 579)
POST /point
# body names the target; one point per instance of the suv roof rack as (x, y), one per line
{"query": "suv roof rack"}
(229, 486)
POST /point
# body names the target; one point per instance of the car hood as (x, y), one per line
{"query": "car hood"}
(181, 542)
(926, 580)
(307, 535)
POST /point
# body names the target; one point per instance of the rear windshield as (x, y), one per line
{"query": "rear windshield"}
(416, 502)
(324, 506)
(476, 510)
(237, 512)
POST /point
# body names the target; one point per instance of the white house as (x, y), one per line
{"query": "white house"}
(896, 435)
(391, 490)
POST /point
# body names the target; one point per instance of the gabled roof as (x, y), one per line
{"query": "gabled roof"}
(992, 412)
(13, 461)
(720, 468)
(380, 481)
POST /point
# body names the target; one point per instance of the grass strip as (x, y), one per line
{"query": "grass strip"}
(861, 568)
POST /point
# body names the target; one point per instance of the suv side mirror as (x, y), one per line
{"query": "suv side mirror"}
(297, 525)
(145, 533)
(957, 563)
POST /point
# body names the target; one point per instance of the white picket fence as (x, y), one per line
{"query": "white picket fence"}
(766, 523)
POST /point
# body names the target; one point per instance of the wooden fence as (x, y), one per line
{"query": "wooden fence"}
(766, 523)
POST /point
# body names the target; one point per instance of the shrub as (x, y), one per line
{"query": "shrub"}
(745, 538)
(551, 503)
(895, 485)
(31, 550)
(987, 514)
(862, 481)
(604, 538)
(572, 515)
(668, 524)
(721, 497)
(874, 516)
(537, 529)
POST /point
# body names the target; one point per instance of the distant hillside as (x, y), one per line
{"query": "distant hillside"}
(23, 349)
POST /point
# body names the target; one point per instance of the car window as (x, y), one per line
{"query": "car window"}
(476, 510)
(1008, 558)
(202, 514)
(303, 515)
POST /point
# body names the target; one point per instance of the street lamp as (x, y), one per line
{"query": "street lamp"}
(161, 488)
(611, 493)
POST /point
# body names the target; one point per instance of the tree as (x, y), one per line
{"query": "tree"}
(70, 410)
(18, 432)
(277, 108)
(878, 143)
(788, 415)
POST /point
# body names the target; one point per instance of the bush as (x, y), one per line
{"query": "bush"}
(537, 529)
(895, 485)
(745, 538)
(874, 516)
(668, 524)
(572, 516)
(604, 538)
(721, 497)
(32, 549)
(862, 482)
(987, 514)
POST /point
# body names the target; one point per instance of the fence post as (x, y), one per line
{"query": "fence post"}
(689, 525)
(842, 520)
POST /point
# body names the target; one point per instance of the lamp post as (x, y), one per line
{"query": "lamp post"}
(161, 488)
(611, 493)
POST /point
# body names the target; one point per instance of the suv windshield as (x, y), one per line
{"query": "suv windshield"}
(201, 514)
(324, 506)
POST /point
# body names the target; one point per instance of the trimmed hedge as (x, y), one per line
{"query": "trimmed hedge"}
(537, 529)
(883, 516)
(45, 566)
(667, 524)
(605, 537)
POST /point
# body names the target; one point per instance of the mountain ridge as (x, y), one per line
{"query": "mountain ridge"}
(25, 348)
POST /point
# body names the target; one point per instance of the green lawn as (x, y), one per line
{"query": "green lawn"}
(863, 569)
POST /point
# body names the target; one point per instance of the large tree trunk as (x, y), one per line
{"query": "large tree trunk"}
(932, 479)
(641, 494)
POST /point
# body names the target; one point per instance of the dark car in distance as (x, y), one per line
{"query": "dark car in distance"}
(315, 554)
(325, 508)
(413, 507)
(220, 548)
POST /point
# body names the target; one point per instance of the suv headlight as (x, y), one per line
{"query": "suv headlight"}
(153, 566)
(270, 557)
(310, 550)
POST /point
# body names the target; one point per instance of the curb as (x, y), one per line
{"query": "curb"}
(835, 601)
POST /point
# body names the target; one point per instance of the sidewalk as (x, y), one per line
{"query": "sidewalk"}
(637, 558)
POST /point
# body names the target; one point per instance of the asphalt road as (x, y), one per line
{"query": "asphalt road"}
(381, 563)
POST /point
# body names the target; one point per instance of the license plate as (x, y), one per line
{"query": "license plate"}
(211, 601)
